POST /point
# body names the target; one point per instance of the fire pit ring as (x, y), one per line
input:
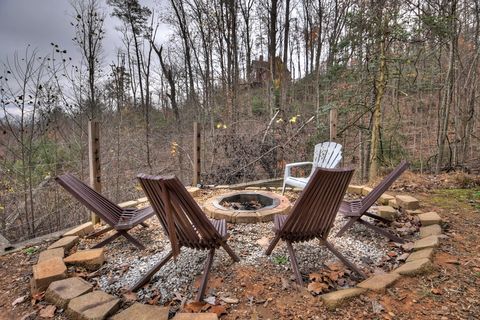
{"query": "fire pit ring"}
(272, 204)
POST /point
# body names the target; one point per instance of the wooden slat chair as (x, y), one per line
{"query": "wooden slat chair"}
(313, 215)
(355, 209)
(121, 220)
(184, 223)
(326, 155)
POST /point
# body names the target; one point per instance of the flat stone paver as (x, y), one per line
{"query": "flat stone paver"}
(385, 198)
(420, 254)
(127, 204)
(90, 259)
(52, 253)
(393, 203)
(61, 292)
(428, 242)
(47, 272)
(407, 202)
(66, 243)
(354, 189)
(429, 218)
(414, 212)
(414, 267)
(96, 305)
(387, 212)
(366, 190)
(431, 230)
(81, 231)
(335, 298)
(195, 316)
(139, 311)
(379, 282)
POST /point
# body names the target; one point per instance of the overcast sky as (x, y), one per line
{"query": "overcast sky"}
(40, 22)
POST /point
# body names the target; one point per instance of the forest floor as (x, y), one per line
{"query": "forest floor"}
(450, 291)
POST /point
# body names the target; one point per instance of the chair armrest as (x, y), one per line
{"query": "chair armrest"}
(289, 166)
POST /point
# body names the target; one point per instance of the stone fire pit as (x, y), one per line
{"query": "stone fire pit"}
(247, 207)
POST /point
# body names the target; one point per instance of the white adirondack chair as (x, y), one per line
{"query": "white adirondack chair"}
(327, 155)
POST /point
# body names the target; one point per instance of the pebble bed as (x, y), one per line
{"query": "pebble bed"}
(125, 265)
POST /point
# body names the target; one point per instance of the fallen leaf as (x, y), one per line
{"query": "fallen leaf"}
(193, 307)
(317, 287)
(436, 291)
(210, 300)
(229, 300)
(219, 310)
(19, 300)
(315, 276)
(48, 312)
(335, 266)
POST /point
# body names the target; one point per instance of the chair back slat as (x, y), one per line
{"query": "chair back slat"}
(94, 201)
(327, 155)
(376, 193)
(314, 212)
(192, 227)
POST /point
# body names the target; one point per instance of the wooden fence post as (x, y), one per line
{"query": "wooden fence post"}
(196, 154)
(333, 124)
(94, 160)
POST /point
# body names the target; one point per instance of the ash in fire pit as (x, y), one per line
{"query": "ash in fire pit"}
(239, 207)
(248, 201)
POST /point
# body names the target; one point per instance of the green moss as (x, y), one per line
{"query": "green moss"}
(457, 198)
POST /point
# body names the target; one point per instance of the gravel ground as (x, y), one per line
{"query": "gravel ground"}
(125, 265)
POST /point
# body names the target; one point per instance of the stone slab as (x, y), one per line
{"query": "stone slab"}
(407, 202)
(47, 272)
(90, 259)
(355, 189)
(66, 243)
(335, 298)
(139, 311)
(96, 305)
(127, 204)
(366, 190)
(414, 212)
(428, 242)
(81, 231)
(52, 253)
(387, 212)
(414, 267)
(194, 191)
(385, 198)
(393, 204)
(379, 282)
(429, 218)
(61, 292)
(195, 316)
(431, 230)
(420, 254)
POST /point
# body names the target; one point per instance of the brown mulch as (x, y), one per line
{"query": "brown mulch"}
(450, 291)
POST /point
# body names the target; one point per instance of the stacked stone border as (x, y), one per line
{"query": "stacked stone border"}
(77, 297)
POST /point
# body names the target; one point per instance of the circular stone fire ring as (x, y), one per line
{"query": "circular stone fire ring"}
(272, 204)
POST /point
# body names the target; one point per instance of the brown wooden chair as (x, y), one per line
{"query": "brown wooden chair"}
(355, 209)
(117, 218)
(313, 215)
(184, 223)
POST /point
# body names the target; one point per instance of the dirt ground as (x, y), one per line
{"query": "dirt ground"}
(450, 291)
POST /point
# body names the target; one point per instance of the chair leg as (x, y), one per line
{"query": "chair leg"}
(343, 259)
(206, 273)
(283, 188)
(99, 232)
(133, 240)
(382, 231)
(230, 252)
(350, 222)
(272, 245)
(294, 263)
(374, 216)
(107, 240)
(146, 278)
